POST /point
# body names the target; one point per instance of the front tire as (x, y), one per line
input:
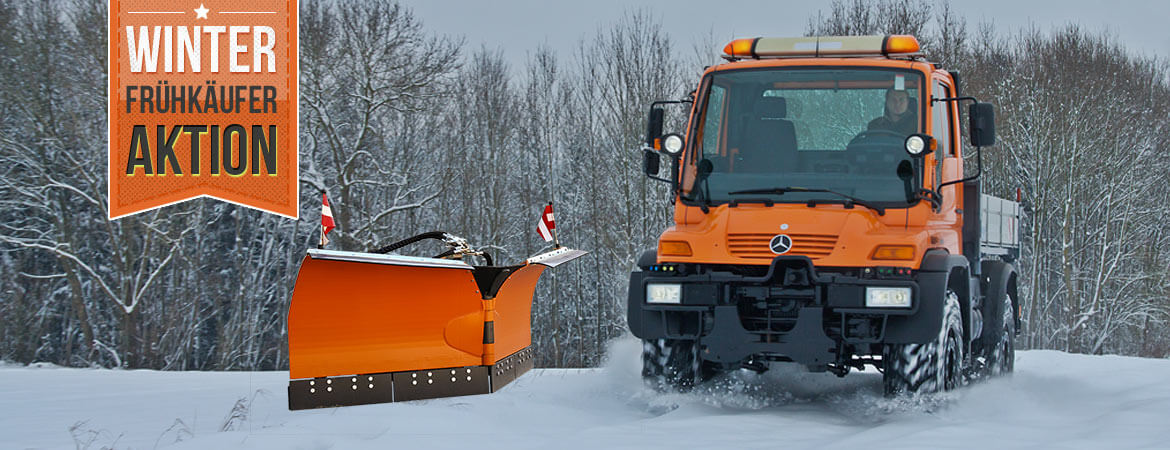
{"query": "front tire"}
(673, 364)
(930, 367)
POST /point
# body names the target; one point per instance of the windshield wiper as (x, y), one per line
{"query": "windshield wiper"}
(773, 191)
(700, 196)
(741, 201)
(703, 200)
(848, 202)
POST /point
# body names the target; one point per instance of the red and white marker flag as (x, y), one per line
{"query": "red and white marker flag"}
(547, 227)
(326, 219)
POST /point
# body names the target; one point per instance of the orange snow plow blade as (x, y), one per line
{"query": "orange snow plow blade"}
(372, 328)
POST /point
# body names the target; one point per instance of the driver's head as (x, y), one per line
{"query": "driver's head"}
(897, 103)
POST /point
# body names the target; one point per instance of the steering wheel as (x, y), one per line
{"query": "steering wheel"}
(870, 145)
(876, 135)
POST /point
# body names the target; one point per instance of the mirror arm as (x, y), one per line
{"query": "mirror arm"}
(978, 171)
(978, 150)
(672, 102)
(954, 99)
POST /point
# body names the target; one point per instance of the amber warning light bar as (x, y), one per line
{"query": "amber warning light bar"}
(821, 46)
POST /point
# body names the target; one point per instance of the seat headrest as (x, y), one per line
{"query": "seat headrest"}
(771, 108)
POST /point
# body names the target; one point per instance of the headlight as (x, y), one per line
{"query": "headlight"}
(887, 297)
(672, 143)
(915, 145)
(664, 293)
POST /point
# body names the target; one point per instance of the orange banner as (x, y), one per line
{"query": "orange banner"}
(203, 102)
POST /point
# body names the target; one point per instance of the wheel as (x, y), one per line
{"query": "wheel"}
(1000, 345)
(669, 364)
(930, 367)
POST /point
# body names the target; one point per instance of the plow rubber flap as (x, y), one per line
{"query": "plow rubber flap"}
(366, 328)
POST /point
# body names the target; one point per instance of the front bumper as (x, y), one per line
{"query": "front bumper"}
(791, 312)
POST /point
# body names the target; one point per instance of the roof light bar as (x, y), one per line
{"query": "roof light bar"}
(816, 46)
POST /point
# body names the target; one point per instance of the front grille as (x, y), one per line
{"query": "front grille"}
(755, 245)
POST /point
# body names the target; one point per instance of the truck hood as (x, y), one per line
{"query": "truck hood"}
(748, 234)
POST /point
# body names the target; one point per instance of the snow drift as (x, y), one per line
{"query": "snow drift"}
(1053, 400)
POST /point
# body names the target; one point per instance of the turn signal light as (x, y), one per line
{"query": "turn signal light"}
(902, 43)
(894, 252)
(674, 248)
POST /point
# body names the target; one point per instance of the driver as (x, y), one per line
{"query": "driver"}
(899, 117)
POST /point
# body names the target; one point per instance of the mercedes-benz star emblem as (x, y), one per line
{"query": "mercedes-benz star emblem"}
(780, 244)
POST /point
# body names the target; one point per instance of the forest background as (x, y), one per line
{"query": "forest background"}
(408, 131)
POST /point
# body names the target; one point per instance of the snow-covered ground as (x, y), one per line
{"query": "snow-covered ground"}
(1053, 400)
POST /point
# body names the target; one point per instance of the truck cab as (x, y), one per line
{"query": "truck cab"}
(822, 216)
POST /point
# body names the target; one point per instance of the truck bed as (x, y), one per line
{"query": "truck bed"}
(1000, 219)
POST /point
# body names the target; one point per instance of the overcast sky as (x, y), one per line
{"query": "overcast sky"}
(518, 26)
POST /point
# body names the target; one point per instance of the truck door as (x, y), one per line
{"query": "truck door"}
(948, 164)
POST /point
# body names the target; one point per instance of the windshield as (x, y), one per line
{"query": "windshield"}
(841, 130)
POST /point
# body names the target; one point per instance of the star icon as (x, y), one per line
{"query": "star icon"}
(201, 12)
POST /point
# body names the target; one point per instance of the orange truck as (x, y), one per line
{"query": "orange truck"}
(822, 217)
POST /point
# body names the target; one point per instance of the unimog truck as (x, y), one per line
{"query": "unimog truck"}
(822, 216)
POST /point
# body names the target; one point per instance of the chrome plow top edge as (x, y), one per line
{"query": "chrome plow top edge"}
(398, 260)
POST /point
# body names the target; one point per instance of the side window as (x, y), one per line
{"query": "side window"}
(712, 120)
(941, 125)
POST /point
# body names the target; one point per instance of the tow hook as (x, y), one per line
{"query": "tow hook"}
(755, 366)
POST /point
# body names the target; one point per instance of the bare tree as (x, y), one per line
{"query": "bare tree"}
(364, 66)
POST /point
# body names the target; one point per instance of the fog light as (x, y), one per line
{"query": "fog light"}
(887, 297)
(664, 293)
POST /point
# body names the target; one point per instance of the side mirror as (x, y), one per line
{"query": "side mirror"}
(982, 116)
(654, 128)
(919, 145)
(705, 168)
(650, 162)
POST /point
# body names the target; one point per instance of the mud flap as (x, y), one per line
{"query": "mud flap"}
(370, 328)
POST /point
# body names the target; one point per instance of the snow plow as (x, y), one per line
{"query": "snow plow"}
(823, 217)
(377, 327)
